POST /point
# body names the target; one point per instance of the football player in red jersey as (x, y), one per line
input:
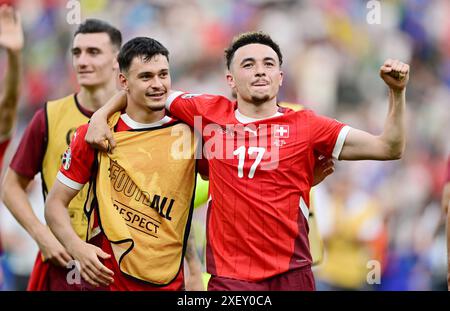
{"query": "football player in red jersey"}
(261, 160)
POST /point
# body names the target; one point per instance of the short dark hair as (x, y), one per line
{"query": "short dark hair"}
(92, 25)
(139, 47)
(250, 38)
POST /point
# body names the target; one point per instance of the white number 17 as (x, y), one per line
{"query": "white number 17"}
(251, 150)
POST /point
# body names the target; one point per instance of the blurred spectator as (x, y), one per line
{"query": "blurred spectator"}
(355, 226)
(445, 204)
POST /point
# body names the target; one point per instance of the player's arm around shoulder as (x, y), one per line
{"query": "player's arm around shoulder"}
(99, 134)
(390, 145)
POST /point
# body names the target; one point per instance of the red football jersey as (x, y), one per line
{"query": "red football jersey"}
(75, 171)
(261, 172)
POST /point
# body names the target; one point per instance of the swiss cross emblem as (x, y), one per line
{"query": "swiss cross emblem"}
(281, 131)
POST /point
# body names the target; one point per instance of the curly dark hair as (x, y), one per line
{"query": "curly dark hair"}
(250, 38)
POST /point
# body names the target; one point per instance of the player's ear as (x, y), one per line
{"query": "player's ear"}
(123, 82)
(230, 79)
(281, 78)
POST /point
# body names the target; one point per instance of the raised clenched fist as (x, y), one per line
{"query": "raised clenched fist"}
(395, 74)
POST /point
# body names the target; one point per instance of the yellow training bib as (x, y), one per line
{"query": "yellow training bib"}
(145, 193)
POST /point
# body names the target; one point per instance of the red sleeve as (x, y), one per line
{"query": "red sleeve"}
(3, 146)
(75, 170)
(185, 106)
(327, 135)
(27, 160)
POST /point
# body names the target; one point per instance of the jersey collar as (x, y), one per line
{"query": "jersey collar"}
(137, 125)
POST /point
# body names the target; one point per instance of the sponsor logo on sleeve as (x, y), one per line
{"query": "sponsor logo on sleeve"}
(67, 158)
(187, 96)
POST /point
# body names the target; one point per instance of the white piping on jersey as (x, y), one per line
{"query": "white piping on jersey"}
(94, 232)
(244, 119)
(304, 208)
(69, 182)
(340, 141)
(137, 125)
(171, 98)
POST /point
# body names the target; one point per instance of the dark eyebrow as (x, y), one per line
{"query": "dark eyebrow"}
(145, 73)
(252, 59)
(248, 59)
(89, 48)
(269, 58)
(152, 73)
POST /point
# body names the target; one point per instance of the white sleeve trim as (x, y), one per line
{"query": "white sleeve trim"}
(171, 98)
(340, 141)
(69, 182)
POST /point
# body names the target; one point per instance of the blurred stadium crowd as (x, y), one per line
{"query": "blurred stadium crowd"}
(388, 212)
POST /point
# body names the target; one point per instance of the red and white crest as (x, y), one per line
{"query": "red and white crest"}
(281, 131)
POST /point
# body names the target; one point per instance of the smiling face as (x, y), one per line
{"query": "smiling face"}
(94, 59)
(148, 82)
(255, 73)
